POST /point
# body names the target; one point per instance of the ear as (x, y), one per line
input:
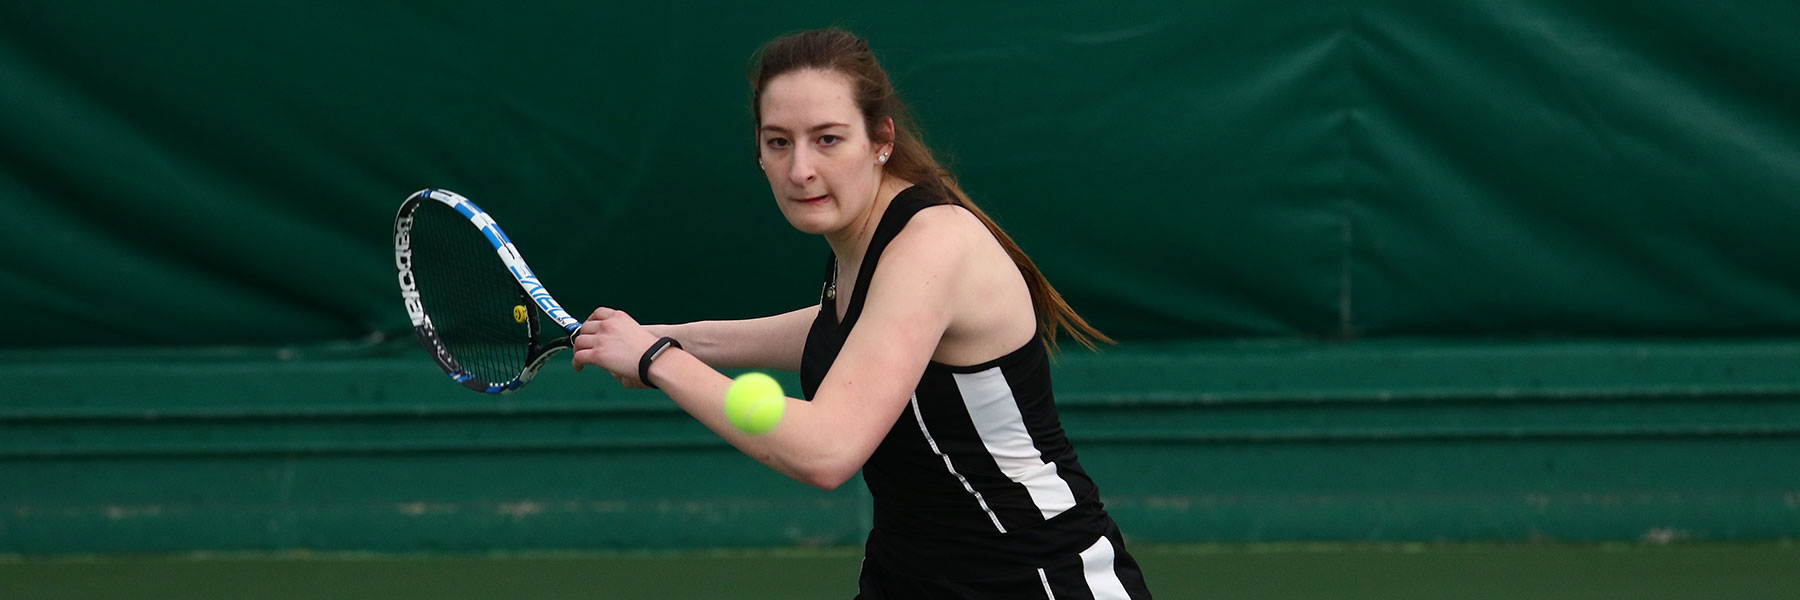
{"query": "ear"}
(884, 131)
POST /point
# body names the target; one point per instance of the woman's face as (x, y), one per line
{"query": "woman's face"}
(813, 146)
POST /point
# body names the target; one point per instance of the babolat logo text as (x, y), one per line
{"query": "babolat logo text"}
(409, 289)
(538, 294)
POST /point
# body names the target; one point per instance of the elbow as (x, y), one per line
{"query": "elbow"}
(826, 459)
(827, 477)
(823, 484)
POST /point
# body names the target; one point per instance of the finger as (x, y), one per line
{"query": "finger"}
(587, 358)
(602, 313)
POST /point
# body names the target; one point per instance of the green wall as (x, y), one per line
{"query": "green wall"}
(1382, 270)
(1224, 441)
(1340, 170)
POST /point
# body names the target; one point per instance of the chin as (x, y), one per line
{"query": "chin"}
(809, 222)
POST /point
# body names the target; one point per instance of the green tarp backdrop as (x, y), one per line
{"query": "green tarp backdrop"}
(1289, 212)
(208, 173)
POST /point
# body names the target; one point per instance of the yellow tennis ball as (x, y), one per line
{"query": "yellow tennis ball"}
(754, 403)
(519, 313)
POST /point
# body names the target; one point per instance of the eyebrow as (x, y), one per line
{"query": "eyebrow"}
(819, 127)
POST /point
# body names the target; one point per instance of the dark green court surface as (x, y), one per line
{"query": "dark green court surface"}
(1538, 572)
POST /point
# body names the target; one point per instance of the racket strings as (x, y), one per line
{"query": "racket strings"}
(469, 295)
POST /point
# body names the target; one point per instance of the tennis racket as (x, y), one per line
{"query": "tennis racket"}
(475, 305)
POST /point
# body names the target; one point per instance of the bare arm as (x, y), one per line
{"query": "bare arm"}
(824, 442)
(772, 342)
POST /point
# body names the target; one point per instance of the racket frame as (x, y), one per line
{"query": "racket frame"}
(534, 297)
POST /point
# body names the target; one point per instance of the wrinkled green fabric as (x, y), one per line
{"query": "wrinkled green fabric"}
(226, 174)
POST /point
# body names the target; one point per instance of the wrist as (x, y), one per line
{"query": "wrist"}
(650, 355)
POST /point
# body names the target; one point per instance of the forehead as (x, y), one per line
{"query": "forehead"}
(799, 100)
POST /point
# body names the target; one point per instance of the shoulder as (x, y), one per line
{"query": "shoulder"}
(928, 257)
(940, 229)
(932, 256)
(938, 239)
(934, 244)
(957, 274)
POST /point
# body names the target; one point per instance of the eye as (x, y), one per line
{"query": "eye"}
(776, 142)
(829, 140)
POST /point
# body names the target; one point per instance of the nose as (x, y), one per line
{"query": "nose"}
(801, 171)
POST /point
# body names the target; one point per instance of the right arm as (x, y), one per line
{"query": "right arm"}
(773, 342)
(912, 301)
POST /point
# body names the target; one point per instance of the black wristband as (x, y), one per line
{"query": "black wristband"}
(650, 355)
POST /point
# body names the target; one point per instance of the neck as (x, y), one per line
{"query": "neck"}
(849, 243)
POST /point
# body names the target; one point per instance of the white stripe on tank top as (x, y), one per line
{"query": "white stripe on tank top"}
(995, 411)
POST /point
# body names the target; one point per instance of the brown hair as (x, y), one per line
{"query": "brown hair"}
(840, 51)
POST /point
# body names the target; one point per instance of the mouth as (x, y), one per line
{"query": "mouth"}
(814, 200)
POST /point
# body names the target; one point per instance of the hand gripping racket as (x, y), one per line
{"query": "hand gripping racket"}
(474, 304)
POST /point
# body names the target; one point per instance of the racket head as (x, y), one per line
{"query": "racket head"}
(475, 306)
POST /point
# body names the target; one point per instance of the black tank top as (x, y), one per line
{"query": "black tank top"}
(976, 476)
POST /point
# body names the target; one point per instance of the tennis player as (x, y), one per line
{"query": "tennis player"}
(924, 364)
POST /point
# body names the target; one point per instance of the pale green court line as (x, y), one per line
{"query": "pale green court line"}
(1272, 572)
